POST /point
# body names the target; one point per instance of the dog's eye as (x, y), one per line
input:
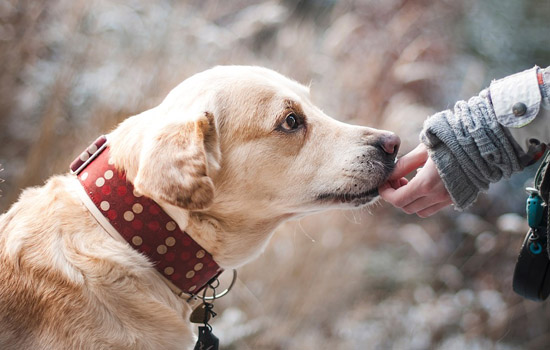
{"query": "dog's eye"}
(291, 122)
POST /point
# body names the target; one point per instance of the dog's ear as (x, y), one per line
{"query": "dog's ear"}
(174, 165)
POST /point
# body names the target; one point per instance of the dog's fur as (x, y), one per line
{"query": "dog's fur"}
(217, 155)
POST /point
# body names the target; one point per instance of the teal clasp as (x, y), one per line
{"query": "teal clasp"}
(535, 248)
(534, 208)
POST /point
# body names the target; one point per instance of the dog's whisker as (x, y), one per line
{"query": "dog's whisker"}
(305, 233)
(1, 180)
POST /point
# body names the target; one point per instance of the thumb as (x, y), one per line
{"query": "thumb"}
(409, 162)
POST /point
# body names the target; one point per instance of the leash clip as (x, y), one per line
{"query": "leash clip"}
(215, 296)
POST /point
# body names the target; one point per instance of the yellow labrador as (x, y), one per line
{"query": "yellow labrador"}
(231, 153)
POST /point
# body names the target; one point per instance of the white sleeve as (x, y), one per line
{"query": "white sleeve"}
(517, 102)
(538, 129)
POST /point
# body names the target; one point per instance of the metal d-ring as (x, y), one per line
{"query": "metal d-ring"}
(217, 296)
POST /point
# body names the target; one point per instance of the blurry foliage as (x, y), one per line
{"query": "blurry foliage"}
(508, 35)
(72, 69)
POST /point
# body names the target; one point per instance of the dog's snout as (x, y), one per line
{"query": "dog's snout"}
(390, 143)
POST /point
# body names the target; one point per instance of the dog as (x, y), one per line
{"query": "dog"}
(229, 155)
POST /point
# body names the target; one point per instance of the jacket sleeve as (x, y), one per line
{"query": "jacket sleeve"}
(478, 142)
(539, 127)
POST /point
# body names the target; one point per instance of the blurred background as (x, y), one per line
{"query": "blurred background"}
(365, 279)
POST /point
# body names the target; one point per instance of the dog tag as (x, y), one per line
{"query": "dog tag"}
(200, 315)
(207, 340)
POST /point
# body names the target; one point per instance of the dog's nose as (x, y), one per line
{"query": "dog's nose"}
(390, 143)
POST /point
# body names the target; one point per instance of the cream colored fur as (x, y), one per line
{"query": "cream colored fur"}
(216, 156)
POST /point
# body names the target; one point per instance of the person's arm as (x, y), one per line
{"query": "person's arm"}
(472, 146)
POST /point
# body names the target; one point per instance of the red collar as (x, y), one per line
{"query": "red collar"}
(142, 222)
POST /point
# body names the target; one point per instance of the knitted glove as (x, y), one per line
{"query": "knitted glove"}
(470, 148)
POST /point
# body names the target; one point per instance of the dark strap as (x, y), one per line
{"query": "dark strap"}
(542, 179)
(532, 272)
(542, 184)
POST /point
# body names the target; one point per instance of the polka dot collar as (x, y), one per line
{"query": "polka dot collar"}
(142, 223)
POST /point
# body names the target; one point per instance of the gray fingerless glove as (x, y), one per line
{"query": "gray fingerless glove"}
(470, 148)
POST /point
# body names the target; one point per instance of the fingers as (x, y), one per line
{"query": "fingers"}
(419, 203)
(406, 164)
(410, 161)
(424, 195)
(395, 184)
(433, 209)
(402, 196)
(432, 201)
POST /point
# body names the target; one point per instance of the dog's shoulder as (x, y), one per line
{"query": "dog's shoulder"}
(60, 270)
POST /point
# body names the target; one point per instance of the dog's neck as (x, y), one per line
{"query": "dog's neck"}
(233, 239)
(133, 218)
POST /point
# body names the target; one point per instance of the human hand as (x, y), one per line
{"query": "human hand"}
(425, 194)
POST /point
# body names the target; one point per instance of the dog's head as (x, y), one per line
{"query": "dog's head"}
(246, 142)
(239, 134)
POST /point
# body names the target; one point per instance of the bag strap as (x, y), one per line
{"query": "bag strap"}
(542, 178)
(542, 184)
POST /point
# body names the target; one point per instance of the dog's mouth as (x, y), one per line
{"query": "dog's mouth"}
(360, 197)
(356, 199)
